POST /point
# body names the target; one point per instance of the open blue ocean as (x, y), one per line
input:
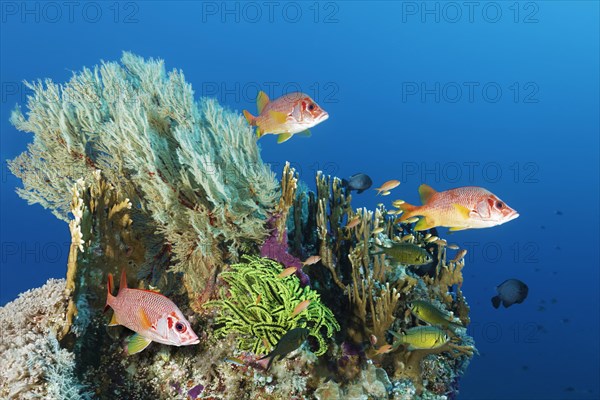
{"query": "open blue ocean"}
(499, 94)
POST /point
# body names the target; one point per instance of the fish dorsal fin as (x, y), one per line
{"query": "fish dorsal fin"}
(462, 210)
(137, 343)
(426, 192)
(123, 283)
(113, 320)
(261, 101)
(277, 117)
(283, 137)
(146, 324)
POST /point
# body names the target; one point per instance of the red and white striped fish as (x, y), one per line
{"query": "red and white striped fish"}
(467, 207)
(152, 316)
(290, 114)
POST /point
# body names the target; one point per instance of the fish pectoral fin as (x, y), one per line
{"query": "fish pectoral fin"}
(137, 343)
(424, 224)
(261, 101)
(278, 117)
(462, 210)
(496, 301)
(305, 133)
(283, 137)
(146, 324)
(113, 320)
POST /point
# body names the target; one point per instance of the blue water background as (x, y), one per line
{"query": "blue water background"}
(389, 74)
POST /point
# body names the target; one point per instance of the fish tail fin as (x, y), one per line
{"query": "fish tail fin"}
(271, 358)
(250, 118)
(270, 362)
(109, 297)
(496, 301)
(408, 210)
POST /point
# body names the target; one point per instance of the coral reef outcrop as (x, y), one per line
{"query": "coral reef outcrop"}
(174, 191)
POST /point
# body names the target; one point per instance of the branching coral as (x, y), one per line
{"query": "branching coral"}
(259, 307)
(191, 170)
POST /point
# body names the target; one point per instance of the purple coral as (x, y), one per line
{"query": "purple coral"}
(275, 250)
(195, 391)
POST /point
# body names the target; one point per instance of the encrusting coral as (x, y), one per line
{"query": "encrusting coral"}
(259, 307)
(174, 191)
(33, 364)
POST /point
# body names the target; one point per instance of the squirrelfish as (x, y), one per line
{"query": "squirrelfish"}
(285, 116)
(461, 208)
(406, 253)
(427, 312)
(152, 316)
(421, 338)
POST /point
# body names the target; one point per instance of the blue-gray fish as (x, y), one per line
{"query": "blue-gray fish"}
(289, 342)
(359, 182)
(510, 292)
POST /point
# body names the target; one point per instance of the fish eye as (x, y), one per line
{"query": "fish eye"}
(499, 204)
(311, 107)
(180, 327)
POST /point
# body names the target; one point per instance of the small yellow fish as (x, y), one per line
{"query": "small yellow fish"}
(353, 222)
(411, 220)
(461, 208)
(397, 203)
(406, 254)
(377, 230)
(303, 305)
(432, 239)
(421, 337)
(453, 247)
(387, 186)
(287, 272)
(293, 113)
(311, 260)
(459, 256)
(408, 238)
(427, 312)
(386, 193)
(235, 361)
